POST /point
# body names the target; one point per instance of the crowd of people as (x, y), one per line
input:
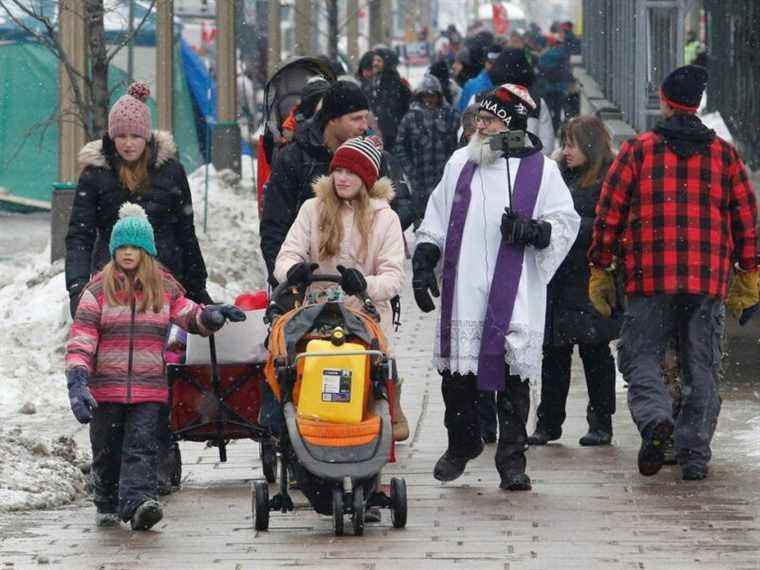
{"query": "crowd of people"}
(575, 247)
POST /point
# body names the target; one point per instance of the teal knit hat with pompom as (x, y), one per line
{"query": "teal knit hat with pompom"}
(133, 228)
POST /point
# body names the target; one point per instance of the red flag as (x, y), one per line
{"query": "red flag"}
(500, 19)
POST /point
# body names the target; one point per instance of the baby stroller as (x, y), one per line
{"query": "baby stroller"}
(329, 370)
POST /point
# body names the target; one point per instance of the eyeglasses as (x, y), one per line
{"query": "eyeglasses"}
(487, 120)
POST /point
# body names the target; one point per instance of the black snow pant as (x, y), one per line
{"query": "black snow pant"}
(650, 322)
(124, 439)
(555, 101)
(487, 412)
(461, 418)
(599, 367)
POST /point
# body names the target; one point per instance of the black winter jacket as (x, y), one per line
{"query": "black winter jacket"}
(570, 317)
(290, 185)
(168, 203)
(389, 98)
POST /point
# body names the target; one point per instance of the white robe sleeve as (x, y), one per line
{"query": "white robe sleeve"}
(555, 205)
(435, 224)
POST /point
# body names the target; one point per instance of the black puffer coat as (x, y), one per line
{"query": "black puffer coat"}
(99, 196)
(570, 317)
(290, 185)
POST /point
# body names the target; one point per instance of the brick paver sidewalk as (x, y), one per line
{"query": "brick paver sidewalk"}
(589, 508)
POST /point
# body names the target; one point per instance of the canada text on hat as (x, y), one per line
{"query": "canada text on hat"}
(508, 100)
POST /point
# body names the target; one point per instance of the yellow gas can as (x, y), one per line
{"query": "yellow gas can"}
(335, 387)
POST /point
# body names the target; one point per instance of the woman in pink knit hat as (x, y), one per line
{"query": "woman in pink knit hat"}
(132, 163)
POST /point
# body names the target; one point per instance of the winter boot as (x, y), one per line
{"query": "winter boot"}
(146, 515)
(515, 482)
(106, 520)
(544, 435)
(693, 472)
(651, 453)
(599, 431)
(400, 423)
(450, 466)
(669, 452)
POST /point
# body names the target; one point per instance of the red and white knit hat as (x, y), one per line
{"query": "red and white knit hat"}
(362, 156)
(130, 115)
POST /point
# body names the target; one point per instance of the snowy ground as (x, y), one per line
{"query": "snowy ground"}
(38, 469)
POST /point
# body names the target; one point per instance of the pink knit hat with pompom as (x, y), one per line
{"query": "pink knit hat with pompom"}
(130, 115)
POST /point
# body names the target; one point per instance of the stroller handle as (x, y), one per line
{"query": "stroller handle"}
(367, 303)
(301, 355)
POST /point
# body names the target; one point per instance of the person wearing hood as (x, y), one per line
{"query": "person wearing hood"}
(451, 89)
(427, 137)
(343, 115)
(389, 95)
(497, 228)
(365, 69)
(677, 213)
(131, 163)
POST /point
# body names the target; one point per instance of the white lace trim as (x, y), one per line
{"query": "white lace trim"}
(523, 349)
(563, 236)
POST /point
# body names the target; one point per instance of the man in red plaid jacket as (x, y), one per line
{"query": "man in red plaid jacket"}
(677, 209)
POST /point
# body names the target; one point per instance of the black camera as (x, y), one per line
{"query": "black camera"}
(507, 141)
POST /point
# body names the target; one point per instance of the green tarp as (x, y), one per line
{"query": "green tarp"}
(29, 140)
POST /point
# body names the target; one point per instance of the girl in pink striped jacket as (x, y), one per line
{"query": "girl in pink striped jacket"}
(115, 367)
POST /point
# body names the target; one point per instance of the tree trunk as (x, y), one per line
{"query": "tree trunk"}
(98, 65)
(332, 26)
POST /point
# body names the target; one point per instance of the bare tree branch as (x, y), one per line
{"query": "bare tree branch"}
(135, 31)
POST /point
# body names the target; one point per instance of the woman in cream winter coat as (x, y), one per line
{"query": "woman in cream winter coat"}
(349, 228)
(349, 223)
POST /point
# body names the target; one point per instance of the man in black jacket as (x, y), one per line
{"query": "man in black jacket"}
(343, 116)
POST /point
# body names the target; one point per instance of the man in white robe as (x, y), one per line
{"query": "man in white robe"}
(497, 246)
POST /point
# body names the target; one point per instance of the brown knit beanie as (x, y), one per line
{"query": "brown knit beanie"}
(130, 115)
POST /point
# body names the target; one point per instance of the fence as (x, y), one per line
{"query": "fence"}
(733, 28)
(628, 48)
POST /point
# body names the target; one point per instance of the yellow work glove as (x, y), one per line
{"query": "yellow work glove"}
(601, 291)
(743, 292)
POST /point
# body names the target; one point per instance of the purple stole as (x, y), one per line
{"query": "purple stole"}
(509, 262)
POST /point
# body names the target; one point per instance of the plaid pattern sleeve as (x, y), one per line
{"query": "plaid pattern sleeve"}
(743, 209)
(612, 208)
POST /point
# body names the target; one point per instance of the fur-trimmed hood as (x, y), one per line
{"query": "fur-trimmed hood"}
(101, 153)
(381, 193)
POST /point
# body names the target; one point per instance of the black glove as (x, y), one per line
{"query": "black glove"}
(213, 317)
(424, 283)
(523, 231)
(81, 401)
(300, 273)
(352, 281)
(747, 314)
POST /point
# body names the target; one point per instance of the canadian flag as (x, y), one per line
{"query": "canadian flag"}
(500, 18)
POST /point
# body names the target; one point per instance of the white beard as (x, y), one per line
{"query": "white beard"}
(479, 151)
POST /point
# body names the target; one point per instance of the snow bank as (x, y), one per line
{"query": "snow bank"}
(34, 313)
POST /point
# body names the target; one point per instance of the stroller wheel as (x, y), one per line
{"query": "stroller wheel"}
(260, 505)
(357, 518)
(398, 502)
(337, 505)
(268, 461)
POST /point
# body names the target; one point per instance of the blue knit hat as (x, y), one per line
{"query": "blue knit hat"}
(133, 228)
